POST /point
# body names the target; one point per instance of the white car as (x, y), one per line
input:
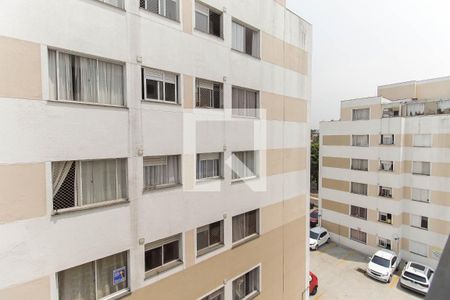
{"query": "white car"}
(416, 277)
(382, 265)
(317, 237)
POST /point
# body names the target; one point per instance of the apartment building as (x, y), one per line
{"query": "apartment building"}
(153, 149)
(385, 171)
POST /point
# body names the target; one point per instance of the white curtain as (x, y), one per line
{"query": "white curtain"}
(238, 227)
(253, 281)
(65, 86)
(421, 167)
(419, 194)
(444, 104)
(52, 75)
(85, 81)
(386, 165)
(208, 165)
(251, 103)
(238, 37)
(414, 109)
(60, 169)
(110, 89)
(105, 268)
(255, 44)
(387, 139)
(77, 283)
(422, 140)
(360, 164)
(360, 140)
(361, 114)
(359, 188)
(161, 171)
(243, 164)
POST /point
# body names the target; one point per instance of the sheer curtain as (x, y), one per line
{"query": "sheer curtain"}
(253, 281)
(85, 82)
(161, 171)
(359, 188)
(98, 180)
(386, 165)
(421, 167)
(60, 169)
(238, 227)
(255, 44)
(360, 140)
(238, 37)
(105, 269)
(251, 104)
(208, 165)
(52, 75)
(65, 86)
(359, 164)
(361, 114)
(77, 283)
(110, 86)
(444, 104)
(414, 109)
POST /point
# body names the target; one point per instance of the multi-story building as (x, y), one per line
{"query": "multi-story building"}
(153, 149)
(385, 171)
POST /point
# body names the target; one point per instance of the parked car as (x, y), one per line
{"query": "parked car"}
(314, 218)
(382, 265)
(417, 277)
(313, 284)
(317, 237)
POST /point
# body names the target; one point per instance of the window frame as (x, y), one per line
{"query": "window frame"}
(249, 237)
(359, 232)
(97, 59)
(386, 215)
(359, 215)
(121, 6)
(359, 159)
(421, 162)
(164, 266)
(198, 81)
(415, 136)
(352, 192)
(419, 189)
(360, 109)
(255, 162)
(210, 9)
(221, 167)
(386, 242)
(391, 169)
(214, 293)
(78, 189)
(255, 293)
(359, 135)
(417, 221)
(254, 31)
(162, 8)
(383, 189)
(235, 111)
(418, 244)
(178, 182)
(147, 76)
(211, 247)
(382, 136)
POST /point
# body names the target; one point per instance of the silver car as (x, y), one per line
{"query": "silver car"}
(417, 277)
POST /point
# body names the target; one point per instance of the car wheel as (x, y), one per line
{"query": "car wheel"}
(314, 291)
(317, 247)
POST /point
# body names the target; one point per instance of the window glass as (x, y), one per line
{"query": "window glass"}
(153, 258)
(171, 251)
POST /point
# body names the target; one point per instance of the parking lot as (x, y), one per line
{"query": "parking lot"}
(341, 274)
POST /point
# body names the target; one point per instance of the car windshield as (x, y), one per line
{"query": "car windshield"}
(415, 277)
(313, 235)
(380, 261)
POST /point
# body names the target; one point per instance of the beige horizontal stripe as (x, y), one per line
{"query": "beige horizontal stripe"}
(347, 112)
(285, 160)
(282, 108)
(441, 140)
(336, 140)
(38, 289)
(335, 184)
(281, 267)
(20, 71)
(283, 212)
(335, 206)
(336, 162)
(23, 193)
(440, 169)
(439, 226)
(341, 230)
(278, 52)
(440, 198)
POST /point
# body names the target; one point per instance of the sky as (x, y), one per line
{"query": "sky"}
(361, 44)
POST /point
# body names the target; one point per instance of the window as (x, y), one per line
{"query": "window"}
(443, 107)
(245, 225)
(116, 3)
(420, 195)
(165, 8)
(359, 188)
(209, 237)
(88, 183)
(384, 243)
(245, 102)
(208, 20)
(389, 112)
(208, 94)
(246, 285)
(245, 40)
(418, 248)
(159, 86)
(361, 114)
(415, 109)
(244, 165)
(163, 255)
(385, 192)
(387, 165)
(83, 79)
(360, 164)
(358, 235)
(209, 165)
(421, 168)
(385, 217)
(360, 140)
(387, 139)
(161, 171)
(422, 140)
(419, 221)
(359, 212)
(217, 295)
(95, 280)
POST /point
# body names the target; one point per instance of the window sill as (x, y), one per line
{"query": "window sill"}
(118, 295)
(386, 144)
(160, 102)
(162, 269)
(209, 179)
(386, 171)
(421, 228)
(417, 253)
(365, 219)
(90, 206)
(245, 240)
(88, 103)
(244, 117)
(385, 197)
(164, 187)
(383, 222)
(210, 35)
(359, 170)
(419, 174)
(251, 296)
(209, 249)
(421, 201)
(246, 54)
(241, 180)
(158, 15)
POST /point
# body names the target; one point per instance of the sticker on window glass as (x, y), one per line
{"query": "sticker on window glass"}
(119, 275)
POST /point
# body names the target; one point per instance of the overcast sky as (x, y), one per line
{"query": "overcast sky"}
(360, 44)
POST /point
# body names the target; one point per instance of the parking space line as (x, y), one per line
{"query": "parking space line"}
(394, 281)
(318, 296)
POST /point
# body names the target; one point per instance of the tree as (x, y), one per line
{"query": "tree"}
(314, 170)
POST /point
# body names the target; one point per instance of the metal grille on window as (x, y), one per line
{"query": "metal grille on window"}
(64, 180)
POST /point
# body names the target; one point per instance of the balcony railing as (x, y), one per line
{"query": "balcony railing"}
(415, 108)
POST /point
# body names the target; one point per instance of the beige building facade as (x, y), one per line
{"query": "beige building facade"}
(384, 169)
